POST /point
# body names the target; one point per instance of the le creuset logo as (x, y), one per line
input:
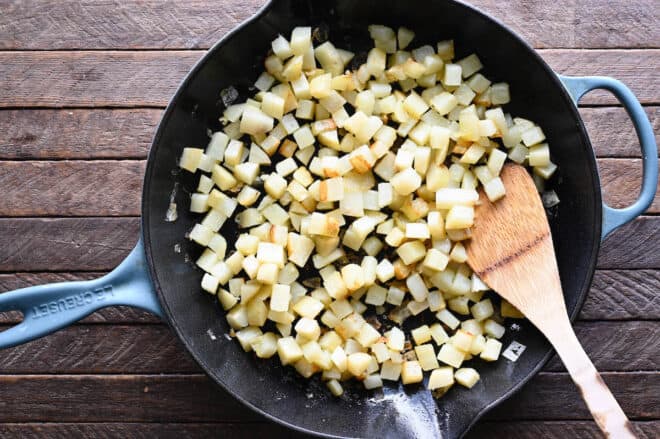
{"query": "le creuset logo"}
(73, 301)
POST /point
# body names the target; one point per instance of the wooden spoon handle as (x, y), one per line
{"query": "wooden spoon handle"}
(601, 403)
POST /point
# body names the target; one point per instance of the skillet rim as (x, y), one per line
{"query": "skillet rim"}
(145, 230)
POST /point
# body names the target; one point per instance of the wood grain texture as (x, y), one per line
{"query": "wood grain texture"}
(614, 295)
(621, 180)
(133, 24)
(77, 134)
(94, 244)
(153, 349)
(194, 398)
(127, 133)
(623, 294)
(483, 429)
(71, 188)
(92, 79)
(611, 132)
(101, 349)
(536, 400)
(149, 78)
(632, 246)
(114, 188)
(60, 244)
(118, 24)
(553, 430)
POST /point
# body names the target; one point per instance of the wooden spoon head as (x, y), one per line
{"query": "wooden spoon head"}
(511, 247)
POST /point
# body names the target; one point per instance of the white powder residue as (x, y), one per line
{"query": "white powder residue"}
(419, 416)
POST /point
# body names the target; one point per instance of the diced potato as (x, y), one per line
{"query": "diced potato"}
(308, 307)
(482, 310)
(335, 387)
(494, 189)
(411, 372)
(459, 217)
(308, 328)
(415, 106)
(376, 295)
(451, 355)
(367, 335)
(247, 335)
(462, 340)
(467, 377)
(417, 287)
(301, 40)
(421, 334)
(280, 298)
(426, 357)
(441, 378)
(500, 93)
(494, 329)
(539, 155)
(417, 231)
(448, 319)
(357, 363)
(395, 339)
(491, 351)
(288, 350)
(265, 346)
(411, 252)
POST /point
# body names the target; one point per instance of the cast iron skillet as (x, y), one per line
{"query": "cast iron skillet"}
(157, 278)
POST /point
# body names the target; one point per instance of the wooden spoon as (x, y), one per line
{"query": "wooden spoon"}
(511, 251)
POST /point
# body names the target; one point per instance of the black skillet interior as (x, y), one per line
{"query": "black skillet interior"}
(198, 320)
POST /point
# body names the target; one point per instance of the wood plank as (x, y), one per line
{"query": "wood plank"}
(194, 398)
(77, 134)
(633, 67)
(489, 429)
(149, 78)
(95, 244)
(39, 25)
(152, 349)
(614, 295)
(113, 188)
(620, 181)
(71, 188)
(632, 246)
(553, 430)
(623, 294)
(92, 79)
(617, 346)
(101, 349)
(611, 132)
(117, 24)
(121, 133)
(63, 244)
(554, 396)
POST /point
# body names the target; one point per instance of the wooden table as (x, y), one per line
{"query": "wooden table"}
(82, 87)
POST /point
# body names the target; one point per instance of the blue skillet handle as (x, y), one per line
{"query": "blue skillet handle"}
(578, 87)
(47, 308)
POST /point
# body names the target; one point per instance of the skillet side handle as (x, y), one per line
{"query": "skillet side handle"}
(47, 308)
(578, 87)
